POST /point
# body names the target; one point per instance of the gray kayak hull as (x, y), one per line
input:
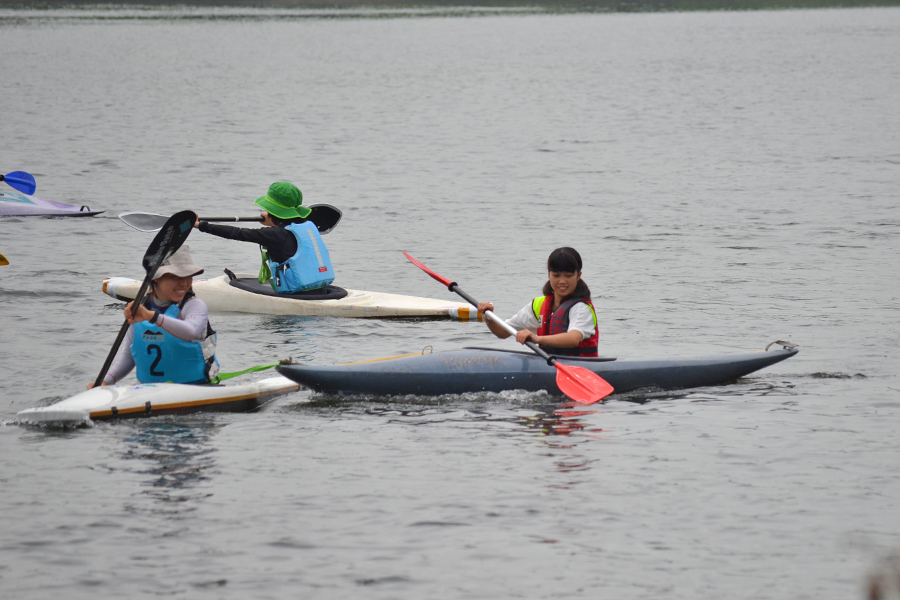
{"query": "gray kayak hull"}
(485, 370)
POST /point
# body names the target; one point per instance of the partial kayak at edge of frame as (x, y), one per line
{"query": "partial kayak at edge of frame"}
(490, 370)
(241, 293)
(17, 204)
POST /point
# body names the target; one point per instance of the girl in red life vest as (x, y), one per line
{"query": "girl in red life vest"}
(562, 321)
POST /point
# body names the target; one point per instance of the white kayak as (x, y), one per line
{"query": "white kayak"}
(17, 204)
(221, 295)
(152, 399)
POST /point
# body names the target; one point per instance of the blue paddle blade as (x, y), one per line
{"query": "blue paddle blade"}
(22, 181)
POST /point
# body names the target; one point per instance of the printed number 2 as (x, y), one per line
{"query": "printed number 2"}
(154, 349)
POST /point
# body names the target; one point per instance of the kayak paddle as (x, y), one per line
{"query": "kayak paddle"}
(325, 217)
(3, 261)
(20, 180)
(579, 384)
(170, 238)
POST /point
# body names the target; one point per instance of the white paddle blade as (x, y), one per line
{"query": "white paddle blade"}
(143, 221)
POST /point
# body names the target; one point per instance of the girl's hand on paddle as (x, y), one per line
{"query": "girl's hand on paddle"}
(483, 306)
(143, 314)
(526, 335)
(91, 384)
(197, 223)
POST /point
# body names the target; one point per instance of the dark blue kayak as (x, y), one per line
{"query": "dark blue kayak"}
(489, 370)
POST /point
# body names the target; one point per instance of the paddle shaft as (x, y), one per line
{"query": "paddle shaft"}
(112, 354)
(230, 219)
(579, 384)
(324, 216)
(259, 219)
(170, 242)
(124, 329)
(454, 287)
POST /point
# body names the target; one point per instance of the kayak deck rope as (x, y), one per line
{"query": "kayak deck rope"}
(225, 376)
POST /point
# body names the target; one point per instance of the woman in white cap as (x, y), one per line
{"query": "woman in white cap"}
(170, 339)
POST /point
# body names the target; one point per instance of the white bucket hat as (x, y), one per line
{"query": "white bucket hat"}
(179, 264)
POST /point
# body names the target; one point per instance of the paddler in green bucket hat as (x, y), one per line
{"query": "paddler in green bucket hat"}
(294, 257)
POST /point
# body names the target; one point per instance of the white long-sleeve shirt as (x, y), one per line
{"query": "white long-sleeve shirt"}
(189, 327)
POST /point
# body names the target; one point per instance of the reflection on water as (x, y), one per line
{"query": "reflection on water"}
(175, 455)
(564, 420)
(884, 579)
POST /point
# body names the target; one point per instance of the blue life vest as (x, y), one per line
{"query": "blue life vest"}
(161, 357)
(309, 268)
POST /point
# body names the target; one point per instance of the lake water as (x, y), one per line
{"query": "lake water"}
(730, 178)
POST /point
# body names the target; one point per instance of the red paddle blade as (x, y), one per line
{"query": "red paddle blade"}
(581, 385)
(434, 275)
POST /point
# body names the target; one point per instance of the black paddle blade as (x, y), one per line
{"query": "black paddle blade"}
(325, 217)
(169, 239)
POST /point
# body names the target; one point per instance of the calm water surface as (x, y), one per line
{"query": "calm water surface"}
(729, 178)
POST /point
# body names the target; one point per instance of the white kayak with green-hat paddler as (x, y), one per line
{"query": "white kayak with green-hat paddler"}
(295, 259)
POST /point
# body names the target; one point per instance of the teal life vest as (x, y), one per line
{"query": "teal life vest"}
(309, 268)
(161, 357)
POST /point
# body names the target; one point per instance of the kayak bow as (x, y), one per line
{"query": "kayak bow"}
(152, 399)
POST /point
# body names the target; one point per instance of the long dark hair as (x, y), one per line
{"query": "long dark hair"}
(567, 260)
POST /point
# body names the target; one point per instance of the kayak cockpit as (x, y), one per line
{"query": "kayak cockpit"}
(249, 284)
(529, 353)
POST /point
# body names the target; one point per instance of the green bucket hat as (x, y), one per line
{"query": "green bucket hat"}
(283, 200)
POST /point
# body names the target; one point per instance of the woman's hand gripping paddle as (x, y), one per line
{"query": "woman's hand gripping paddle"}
(579, 384)
(20, 180)
(169, 239)
(324, 216)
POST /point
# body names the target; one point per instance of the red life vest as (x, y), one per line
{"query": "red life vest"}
(558, 322)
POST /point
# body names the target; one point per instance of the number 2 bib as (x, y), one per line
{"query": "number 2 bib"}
(161, 357)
